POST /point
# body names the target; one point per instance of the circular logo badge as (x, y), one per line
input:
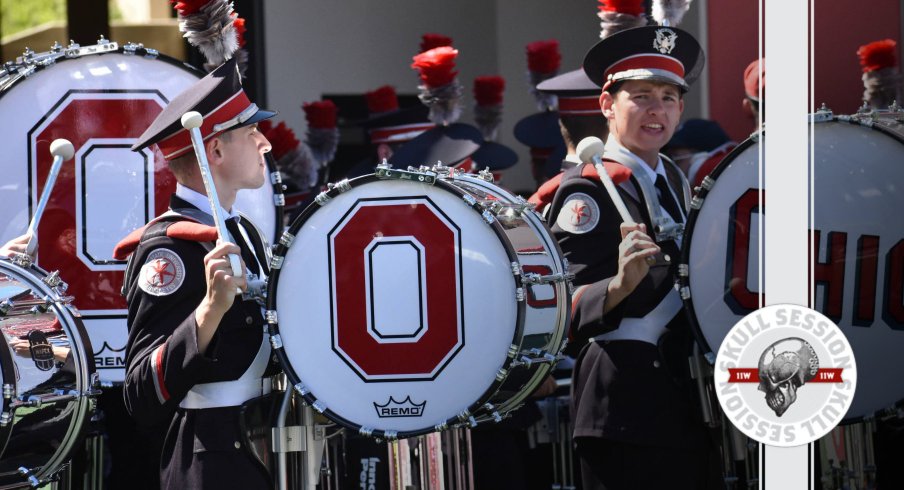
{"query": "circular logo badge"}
(579, 214)
(785, 375)
(162, 273)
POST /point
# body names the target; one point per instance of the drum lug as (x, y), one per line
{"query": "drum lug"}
(301, 389)
(277, 261)
(341, 186)
(501, 375)
(27, 474)
(493, 412)
(322, 198)
(276, 177)
(537, 356)
(22, 260)
(319, 406)
(685, 293)
(276, 342)
(519, 295)
(384, 171)
(463, 416)
(486, 175)
(5, 306)
(5, 418)
(8, 391)
(488, 217)
(53, 279)
(516, 269)
(512, 351)
(696, 202)
(366, 431)
(390, 435)
(683, 270)
(441, 427)
(286, 239)
(279, 199)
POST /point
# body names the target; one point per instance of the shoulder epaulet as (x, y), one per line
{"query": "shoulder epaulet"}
(176, 226)
(544, 195)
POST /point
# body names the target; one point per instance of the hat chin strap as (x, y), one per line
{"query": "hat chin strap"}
(238, 119)
(645, 74)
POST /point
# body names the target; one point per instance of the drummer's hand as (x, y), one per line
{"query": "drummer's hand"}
(221, 287)
(546, 388)
(20, 346)
(16, 245)
(633, 252)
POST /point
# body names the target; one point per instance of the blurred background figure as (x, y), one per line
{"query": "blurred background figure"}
(697, 146)
(754, 83)
(881, 77)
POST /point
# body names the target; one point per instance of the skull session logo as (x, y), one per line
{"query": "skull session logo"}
(785, 375)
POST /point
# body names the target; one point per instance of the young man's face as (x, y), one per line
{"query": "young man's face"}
(643, 115)
(243, 158)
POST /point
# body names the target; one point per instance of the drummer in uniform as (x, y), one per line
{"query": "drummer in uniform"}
(636, 420)
(197, 351)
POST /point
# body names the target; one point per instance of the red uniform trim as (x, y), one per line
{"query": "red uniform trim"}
(544, 195)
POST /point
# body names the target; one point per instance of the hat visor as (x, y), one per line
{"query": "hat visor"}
(258, 116)
(494, 156)
(661, 76)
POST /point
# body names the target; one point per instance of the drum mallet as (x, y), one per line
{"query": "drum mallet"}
(590, 150)
(62, 150)
(192, 122)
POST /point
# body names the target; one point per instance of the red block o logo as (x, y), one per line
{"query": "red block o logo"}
(395, 280)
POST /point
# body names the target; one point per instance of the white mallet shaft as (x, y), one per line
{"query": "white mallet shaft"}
(590, 150)
(192, 122)
(62, 150)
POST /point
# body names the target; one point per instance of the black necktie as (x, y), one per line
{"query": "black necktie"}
(247, 256)
(667, 200)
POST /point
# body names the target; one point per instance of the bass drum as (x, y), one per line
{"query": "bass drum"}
(859, 267)
(47, 374)
(101, 98)
(404, 302)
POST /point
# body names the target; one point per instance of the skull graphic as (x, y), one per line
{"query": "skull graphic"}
(784, 367)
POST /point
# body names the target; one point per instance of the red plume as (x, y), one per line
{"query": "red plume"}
(188, 7)
(320, 114)
(436, 66)
(877, 55)
(265, 126)
(631, 7)
(488, 90)
(282, 139)
(543, 56)
(381, 100)
(432, 40)
(239, 24)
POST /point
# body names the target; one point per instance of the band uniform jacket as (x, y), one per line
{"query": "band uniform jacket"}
(626, 390)
(163, 363)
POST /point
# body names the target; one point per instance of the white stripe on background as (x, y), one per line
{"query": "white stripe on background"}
(786, 176)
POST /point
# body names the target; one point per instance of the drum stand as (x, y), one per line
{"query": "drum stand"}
(299, 448)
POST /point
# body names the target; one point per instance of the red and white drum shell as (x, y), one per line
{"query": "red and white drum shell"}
(101, 98)
(398, 305)
(46, 374)
(857, 191)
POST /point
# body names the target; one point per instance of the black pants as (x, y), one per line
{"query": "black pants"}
(612, 465)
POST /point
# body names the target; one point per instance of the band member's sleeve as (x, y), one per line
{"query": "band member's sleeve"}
(586, 225)
(162, 357)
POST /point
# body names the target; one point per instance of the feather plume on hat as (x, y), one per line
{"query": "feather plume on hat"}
(432, 40)
(670, 12)
(215, 29)
(881, 78)
(488, 105)
(618, 15)
(439, 89)
(323, 134)
(543, 61)
(293, 159)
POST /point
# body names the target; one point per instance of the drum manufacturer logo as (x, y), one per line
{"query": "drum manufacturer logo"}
(41, 350)
(405, 408)
(785, 375)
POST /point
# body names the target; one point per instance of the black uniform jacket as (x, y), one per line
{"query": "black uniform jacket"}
(163, 363)
(626, 390)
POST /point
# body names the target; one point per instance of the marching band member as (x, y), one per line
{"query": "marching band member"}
(635, 416)
(196, 352)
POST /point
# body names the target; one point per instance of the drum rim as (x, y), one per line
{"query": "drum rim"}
(278, 195)
(533, 219)
(684, 279)
(311, 398)
(80, 345)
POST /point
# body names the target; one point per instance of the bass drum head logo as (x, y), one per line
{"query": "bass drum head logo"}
(785, 375)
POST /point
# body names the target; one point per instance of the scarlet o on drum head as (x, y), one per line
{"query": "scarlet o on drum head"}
(398, 307)
(858, 239)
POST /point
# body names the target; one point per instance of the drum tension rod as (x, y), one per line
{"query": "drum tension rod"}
(534, 278)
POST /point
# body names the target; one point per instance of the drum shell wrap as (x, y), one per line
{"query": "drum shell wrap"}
(857, 239)
(48, 395)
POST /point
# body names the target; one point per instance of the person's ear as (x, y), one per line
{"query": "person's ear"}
(606, 102)
(214, 147)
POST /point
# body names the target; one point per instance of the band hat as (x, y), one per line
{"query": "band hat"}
(494, 156)
(218, 97)
(450, 145)
(577, 94)
(398, 126)
(539, 130)
(663, 54)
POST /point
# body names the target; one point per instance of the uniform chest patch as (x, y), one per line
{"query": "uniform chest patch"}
(579, 214)
(162, 273)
